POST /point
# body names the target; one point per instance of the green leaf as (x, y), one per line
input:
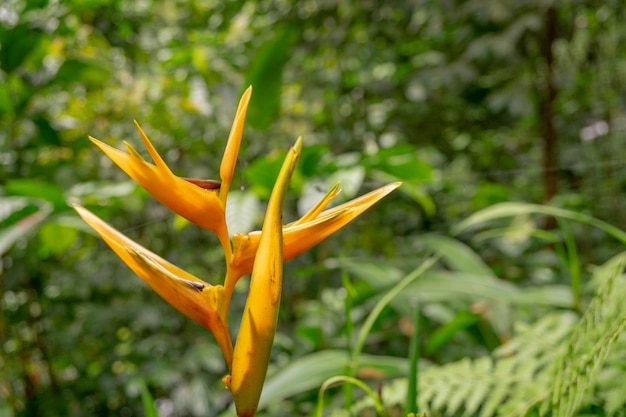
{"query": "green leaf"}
(448, 285)
(56, 239)
(242, 211)
(547, 295)
(6, 102)
(18, 216)
(309, 372)
(488, 194)
(385, 300)
(263, 172)
(148, 402)
(456, 254)
(266, 74)
(46, 132)
(408, 168)
(14, 208)
(414, 190)
(441, 336)
(103, 189)
(402, 163)
(378, 274)
(35, 4)
(39, 189)
(313, 162)
(17, 44)
(82, 71)
(516, 209)
(444, 285)
(89, 4)
(351, 180)
(431, 286)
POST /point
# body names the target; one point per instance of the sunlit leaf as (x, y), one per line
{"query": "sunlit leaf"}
(310, 371)
(456, 254)
(516, 209)
(242, 211)
(18, 216)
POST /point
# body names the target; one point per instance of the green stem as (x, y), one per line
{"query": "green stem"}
(342, 379)
(414, 354)
(348, 369)
(573, 262)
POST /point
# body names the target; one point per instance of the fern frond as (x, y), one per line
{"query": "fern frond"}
(611, 395)
(508, 382)
(503, 382)
(550, 366)
(590, 344)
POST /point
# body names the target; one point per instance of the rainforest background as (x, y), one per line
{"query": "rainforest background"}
(472, 104)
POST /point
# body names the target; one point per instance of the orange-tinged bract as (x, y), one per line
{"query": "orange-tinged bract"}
(188, 294)
(202, 205)
(198, 205)
(229, 160)
(258, 324)
(260, 253)
(307, 232)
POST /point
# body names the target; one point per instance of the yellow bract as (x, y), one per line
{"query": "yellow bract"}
(200, 206)
(188, 294)
(306, 232)
(229, 160)
(258, 324)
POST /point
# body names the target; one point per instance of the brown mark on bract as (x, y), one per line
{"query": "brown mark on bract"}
(205, 184)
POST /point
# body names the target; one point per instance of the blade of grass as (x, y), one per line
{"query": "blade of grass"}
(350, 294)
(382, 303)
(414, 354)
(572, 262)
(148, 402)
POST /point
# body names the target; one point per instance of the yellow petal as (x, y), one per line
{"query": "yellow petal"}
(319, 207)
(188, 294)
(301, 236)
(198, 205)
(229, 160)
(258, 324)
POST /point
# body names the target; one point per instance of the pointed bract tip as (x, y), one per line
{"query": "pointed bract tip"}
(141, 132)
(297, 147)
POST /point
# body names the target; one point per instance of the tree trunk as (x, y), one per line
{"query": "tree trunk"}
(547, 110)
(547, 116)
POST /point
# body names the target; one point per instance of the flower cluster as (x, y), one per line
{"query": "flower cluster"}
(260, 253)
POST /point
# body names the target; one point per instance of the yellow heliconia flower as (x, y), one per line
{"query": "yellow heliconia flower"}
(260, 316)
(308, 231)
(200, 202)
(260, 253)
(188, 294)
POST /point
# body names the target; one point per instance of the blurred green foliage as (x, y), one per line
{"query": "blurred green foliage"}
(447, 96)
